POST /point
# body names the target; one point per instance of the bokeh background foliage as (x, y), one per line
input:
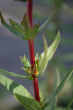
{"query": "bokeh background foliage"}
(12, 47)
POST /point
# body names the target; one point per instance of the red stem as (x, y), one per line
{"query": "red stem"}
(31, 50)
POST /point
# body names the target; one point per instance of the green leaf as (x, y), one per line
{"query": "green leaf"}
(10, 28)
(59, 88)
(45, 23)
(16, 26)
(25, 61)
(43, 59)
(47, 56)
(14, 75)
(31, 104)
(35, 29)
(20, 93)
(27, 28)
(36, 63)
(52, 48)
(13, 87)
(41, 97)
(23, 30)
(29, 31)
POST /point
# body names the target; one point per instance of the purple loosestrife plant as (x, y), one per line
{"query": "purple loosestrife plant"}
(26, 30)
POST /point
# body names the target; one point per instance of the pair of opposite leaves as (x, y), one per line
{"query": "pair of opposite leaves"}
(23, 29)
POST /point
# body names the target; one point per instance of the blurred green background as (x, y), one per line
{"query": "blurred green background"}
(12, 47)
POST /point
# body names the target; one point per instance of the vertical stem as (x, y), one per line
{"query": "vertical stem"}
(31, 50)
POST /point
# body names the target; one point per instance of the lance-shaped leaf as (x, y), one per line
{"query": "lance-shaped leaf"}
(22, 30)
(45, 23)
(16, 26)
(26, 63)
(31, 103)
(43, 58)
(10, 28)
(59, 88)
(14, 75)
(20, 93)
(48, 54)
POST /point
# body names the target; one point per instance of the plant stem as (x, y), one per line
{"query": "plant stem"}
(31, 51)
